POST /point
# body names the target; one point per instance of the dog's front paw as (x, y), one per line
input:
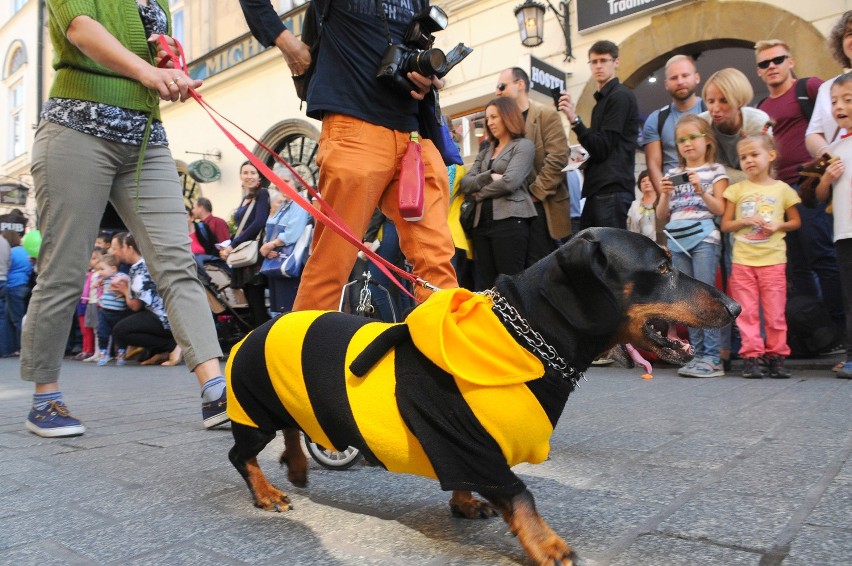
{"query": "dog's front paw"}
(272, 499)
(465, 506)
(556, 552)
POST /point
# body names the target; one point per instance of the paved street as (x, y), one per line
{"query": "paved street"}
(668, 471)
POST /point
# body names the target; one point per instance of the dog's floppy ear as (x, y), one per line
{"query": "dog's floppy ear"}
(578, 287)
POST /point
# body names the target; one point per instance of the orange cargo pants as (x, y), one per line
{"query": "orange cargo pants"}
(359, 171)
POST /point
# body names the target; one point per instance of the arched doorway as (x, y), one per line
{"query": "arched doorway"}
(706, 26)
(296, 141)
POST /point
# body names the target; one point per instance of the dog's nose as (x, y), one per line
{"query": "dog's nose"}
(733, 307)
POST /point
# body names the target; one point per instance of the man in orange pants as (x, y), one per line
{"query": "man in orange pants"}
(365, 132)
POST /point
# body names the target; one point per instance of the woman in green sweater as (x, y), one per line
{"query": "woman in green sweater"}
(100, 139)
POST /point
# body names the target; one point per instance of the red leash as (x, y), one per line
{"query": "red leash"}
(331, 219)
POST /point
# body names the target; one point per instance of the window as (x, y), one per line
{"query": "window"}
(15, 61)
(469, 132)
(16, 120)
(17, 5)
(176, 7)
(285, 6)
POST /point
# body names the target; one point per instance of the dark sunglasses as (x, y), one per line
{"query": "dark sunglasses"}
(501, 86)
(774, 61)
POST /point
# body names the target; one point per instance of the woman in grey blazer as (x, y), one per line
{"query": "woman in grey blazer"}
(499, 180)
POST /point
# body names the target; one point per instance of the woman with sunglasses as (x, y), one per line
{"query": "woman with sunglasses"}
(726, 94)
(499, 183)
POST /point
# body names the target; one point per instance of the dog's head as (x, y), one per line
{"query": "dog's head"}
(620, 285)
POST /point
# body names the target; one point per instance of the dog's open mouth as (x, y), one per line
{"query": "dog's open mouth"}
(663, 340)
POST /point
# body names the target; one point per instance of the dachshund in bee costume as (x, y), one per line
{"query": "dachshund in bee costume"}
(470, 384)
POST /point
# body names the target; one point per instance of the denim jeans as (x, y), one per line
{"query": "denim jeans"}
(16, 307)
(5, 329)
(107, 319)
(702, 266)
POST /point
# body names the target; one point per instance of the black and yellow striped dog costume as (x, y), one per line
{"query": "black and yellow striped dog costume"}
(451, 393)
(398, 392)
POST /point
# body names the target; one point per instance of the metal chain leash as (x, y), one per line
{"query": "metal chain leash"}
(535, 340)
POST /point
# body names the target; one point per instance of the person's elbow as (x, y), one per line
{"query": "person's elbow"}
(77, 31)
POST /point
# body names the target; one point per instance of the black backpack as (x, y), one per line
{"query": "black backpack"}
(311, 34)
(810, 329)
(805, 102)
(664, 114)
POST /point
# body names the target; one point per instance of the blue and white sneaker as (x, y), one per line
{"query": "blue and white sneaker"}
(54, 421)
(845, 371)
(215, 412)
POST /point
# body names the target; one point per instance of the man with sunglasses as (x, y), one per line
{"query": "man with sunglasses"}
(811, 262)
(611, 141)
(549, 189)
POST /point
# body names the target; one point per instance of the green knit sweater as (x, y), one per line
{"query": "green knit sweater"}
(79, 77)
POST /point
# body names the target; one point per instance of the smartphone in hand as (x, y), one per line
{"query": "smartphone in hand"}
(556, 93)
(679, 179)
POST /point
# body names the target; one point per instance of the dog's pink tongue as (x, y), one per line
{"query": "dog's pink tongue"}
(638, 358)
(672, 335)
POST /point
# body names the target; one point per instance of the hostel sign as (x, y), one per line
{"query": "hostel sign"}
(597, 13)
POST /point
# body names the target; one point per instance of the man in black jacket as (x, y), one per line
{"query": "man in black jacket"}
(611, 141)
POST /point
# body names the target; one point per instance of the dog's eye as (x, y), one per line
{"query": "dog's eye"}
(663, 268)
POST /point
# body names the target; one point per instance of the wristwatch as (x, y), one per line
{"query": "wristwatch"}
(575, 122)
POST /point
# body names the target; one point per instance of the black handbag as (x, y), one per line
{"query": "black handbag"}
(467, 213)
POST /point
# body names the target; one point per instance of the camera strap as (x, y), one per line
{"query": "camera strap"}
(384, 17)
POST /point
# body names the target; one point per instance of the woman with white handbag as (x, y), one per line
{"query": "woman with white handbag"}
(283, 228)
(242, 253)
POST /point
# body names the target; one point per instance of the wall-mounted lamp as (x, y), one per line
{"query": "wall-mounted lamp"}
(652, 79)
(530, 17)
(14, 193)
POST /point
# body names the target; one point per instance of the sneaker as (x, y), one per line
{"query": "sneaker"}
(833, 350)
(82, 356)
(703, 367)
(104, 359)
(603, 361)
(54, 421)
(751, 369)
(215, 413)
(845, 371)
(777, 369)
(93, 358)
(686, 371)
(120, 358)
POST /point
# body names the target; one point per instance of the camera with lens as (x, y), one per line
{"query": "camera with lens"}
(416, 53)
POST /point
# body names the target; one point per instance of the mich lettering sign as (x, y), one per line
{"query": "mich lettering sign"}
(241, 49)
(596, 13)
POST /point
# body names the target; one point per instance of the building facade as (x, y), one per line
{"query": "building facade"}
(251, 85)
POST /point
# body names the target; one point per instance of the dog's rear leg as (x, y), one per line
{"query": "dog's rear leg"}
(463, 504)
(294, 458)
(542, 544)
(248, 442)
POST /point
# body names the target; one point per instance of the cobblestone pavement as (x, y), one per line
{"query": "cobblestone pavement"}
(667, 471)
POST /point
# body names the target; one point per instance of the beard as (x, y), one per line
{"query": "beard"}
(683, 94)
